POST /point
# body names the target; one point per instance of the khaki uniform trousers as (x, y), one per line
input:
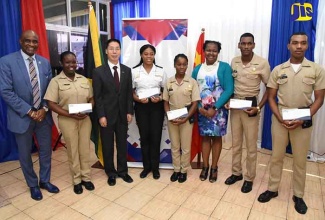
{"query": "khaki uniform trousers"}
(181, 139)
(300, 143)
(76, 134)
(241, 125)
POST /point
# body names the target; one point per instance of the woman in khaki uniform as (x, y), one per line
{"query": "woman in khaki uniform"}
(181, 91)
(71, 88)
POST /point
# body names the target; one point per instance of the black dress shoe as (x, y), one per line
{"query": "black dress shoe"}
(88, 185)
(156, 174)
(204, 173)
(213, 175)
(144, 174)
(174, 176)
(36, 193)
(247, 187)
(267, 196)
(300, 205)
(126, 178)
(77, 189)
(49, 187)
(111, 180)
(232, 179)
(182, 177)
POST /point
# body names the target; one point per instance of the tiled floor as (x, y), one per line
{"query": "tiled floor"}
(159, 199)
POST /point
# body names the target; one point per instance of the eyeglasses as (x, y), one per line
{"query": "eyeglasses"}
(114, 49)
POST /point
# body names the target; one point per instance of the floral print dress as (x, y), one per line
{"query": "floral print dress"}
(210, 91)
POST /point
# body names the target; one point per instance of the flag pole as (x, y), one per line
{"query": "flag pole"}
(198, 60)
(95, 59)
(199, 164)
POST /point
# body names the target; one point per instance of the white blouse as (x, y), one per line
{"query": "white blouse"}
(142, 80)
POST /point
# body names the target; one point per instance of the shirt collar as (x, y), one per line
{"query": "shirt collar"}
(305, 63)
(185, 79)
(26, 56)
(111, 65)
(63, 76)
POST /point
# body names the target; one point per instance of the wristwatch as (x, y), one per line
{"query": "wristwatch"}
(46, 109)
(258, 109)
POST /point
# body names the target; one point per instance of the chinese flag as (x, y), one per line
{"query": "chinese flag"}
(196, 138)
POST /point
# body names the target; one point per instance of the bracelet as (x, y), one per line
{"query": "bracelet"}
(258, 109)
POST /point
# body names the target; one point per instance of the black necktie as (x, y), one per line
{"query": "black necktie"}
(116, 79)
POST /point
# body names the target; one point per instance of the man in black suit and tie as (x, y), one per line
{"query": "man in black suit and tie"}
(112, 83)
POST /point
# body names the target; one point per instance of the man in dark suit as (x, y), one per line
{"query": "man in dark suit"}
(112, 83)
(24, 78)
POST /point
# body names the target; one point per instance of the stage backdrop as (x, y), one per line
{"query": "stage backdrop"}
(169, 37)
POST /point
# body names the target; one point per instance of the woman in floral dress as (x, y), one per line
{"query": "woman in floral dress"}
(216, 86)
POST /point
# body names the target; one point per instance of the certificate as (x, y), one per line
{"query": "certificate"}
(80, 108)
(240, 103)
(146, 93)
(178, 113)
(296, 113)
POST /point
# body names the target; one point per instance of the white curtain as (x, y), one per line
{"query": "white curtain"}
(224, 21)
(318, 138)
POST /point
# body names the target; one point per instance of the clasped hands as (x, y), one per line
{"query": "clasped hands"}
(178, 121)
(38, 115)
(249, 111)
(291, 124)
(78, 116)
(153, 99)
(209, 113)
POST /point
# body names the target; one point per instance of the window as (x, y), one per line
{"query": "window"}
(79, 13)
(67, 27)
(58, 42)
(55, 12)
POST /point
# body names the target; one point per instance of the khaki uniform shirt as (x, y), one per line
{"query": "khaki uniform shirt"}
(63, 91)
(295, 88)
(247, 79)
(183, 94)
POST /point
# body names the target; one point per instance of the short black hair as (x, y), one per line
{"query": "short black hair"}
(65, 53)
(297, 33)
(212, 42)
(181, 55)
(247, 35)
(113, 40)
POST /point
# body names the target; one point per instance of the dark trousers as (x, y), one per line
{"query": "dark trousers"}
(107, 137)
(150, 118)
(24, 143)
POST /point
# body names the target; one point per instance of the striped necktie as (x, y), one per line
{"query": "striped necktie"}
(34, 82)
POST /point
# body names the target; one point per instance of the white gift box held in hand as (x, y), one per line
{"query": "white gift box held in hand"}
(178, 113)
(296, 114)
(80, 108)
(146, 93)
(240, 103)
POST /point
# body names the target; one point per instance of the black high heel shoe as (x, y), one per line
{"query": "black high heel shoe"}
(213, 175)
(204, 173)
